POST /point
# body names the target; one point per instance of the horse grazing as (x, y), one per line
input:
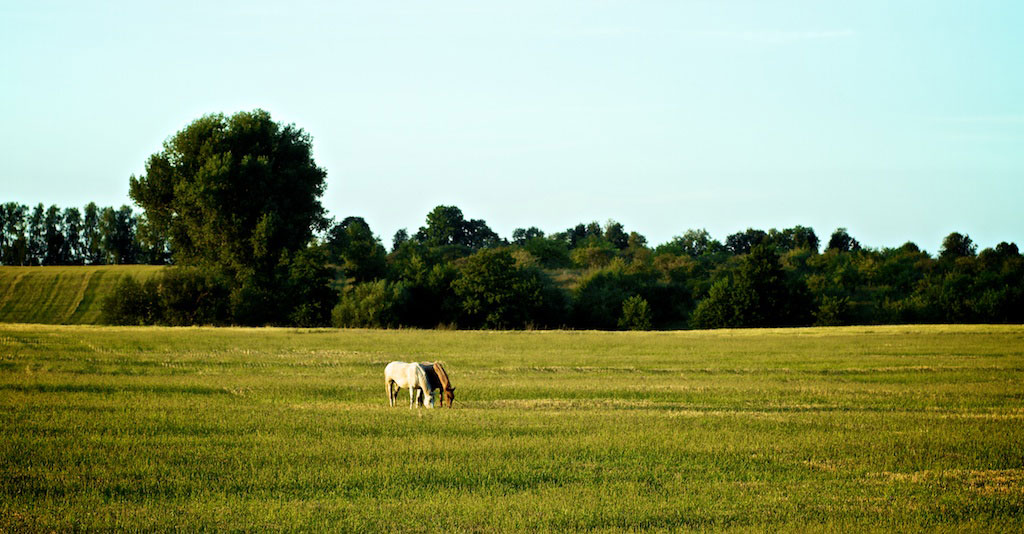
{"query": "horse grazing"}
(437, 378)
(411, 376)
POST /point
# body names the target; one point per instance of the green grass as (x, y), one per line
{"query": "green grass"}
(61, 295)
(904, 428)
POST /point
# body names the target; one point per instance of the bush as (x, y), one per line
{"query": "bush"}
(716, 310)
(190, 297)
(176, 297)
(591, 257)
(552, 253)
(132, 303)
(377, 304)
(309, 292)
(494, 293)
(832, 311)
(636, 314)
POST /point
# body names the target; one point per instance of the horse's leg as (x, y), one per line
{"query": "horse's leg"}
(391, 393)
(412, 397)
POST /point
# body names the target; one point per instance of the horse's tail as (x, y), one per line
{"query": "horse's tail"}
(442, 375)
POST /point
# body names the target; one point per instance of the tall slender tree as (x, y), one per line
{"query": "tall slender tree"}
(36, 236)
(72, 253)
(53, 235)
(92, 241)
(15, 248)
(117, 235)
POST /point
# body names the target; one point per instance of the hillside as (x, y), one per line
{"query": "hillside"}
(61, 295)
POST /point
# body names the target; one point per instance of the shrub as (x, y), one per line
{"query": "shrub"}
(177, 297)
(132, 303)
(832, 311)
(189, 297)
(494, 293)
(377, 304)
(636, 314)
(716, 310)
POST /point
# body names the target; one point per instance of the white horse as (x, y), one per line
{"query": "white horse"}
(411, 376)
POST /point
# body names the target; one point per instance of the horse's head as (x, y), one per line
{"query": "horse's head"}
(430, 400)
(449, 395)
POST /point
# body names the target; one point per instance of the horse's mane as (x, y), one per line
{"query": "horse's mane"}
(442, 375)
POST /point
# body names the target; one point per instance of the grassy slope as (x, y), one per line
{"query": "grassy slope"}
(61, 295)
(882, 428)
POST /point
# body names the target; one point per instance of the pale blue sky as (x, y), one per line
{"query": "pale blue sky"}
(900, 120)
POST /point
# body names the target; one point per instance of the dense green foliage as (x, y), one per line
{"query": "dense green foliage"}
(821, 430)
(178, 297)
(583, 277)
(238, 198)
(234, 193)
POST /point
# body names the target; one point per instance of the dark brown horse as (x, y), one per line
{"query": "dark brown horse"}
(437, 378)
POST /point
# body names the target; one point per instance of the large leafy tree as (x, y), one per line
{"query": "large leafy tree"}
(240, 196)
(117, 235)
(447, 226)
(692, 243)
(957, 245)
(234, 192)
(352, 245)
(152, 247)
(758, 295)
(521, 235)
(743, 242)
(616, 235)
(842, 241)
(494, 293)
(794, 238)
(761, 296)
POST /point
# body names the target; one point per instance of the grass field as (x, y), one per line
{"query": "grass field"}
(61, 295)
(865, 429)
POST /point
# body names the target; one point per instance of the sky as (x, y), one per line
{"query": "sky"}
(898, 120)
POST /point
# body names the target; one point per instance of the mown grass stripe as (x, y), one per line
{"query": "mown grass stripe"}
(64, 295)
(83, 285)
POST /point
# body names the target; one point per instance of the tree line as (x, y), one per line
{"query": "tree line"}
(91, 236)
(232, 202)
(458, 272)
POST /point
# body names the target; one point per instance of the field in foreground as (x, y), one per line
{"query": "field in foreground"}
(881, 428)
(61, 295)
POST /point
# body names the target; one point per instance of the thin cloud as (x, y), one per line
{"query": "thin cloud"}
(983, 119)
(604, 31)
(776, 36)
